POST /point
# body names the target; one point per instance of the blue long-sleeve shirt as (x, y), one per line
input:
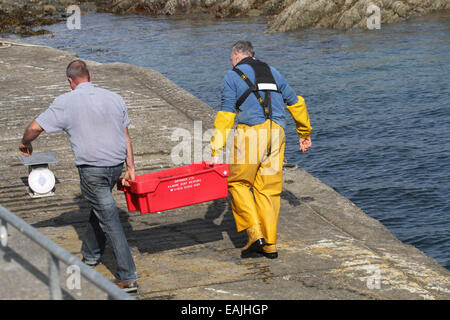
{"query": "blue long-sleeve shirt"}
(251, 112)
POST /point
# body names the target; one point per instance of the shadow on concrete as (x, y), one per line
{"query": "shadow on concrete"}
(159, 237)
(10, 255)
(291, 198)
(189, 232)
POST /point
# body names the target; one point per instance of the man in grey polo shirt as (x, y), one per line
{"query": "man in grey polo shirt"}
(96, 122)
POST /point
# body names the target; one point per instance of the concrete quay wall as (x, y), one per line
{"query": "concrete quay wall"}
(328, 247)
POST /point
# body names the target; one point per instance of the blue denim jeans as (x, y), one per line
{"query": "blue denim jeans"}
(96, 186)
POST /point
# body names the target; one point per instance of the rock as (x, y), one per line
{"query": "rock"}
(345, 14)
(170, 7)
(272, 7)
(48, 7)
(349, 18)
(301, 14)
(18, 29)
(241, 6)
(400, 8)
(20, 17)
(283, 15)
(88, 6)
(254, 13)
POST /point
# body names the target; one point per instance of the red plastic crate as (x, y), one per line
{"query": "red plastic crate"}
(177, 187)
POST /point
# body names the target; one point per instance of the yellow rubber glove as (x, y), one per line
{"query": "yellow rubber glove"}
(223, 124)
(301, 117)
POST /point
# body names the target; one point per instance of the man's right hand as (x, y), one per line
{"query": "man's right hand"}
(31, 132)
(26, 149)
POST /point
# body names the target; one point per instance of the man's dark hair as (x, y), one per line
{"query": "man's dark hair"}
(243, 47)
(77, 69)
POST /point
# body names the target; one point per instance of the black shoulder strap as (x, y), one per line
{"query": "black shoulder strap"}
(265, 82)
(263, 77)
(251, 88)
(263, 74)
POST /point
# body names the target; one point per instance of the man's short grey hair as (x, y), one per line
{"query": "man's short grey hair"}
(243, 47)
(77, 69)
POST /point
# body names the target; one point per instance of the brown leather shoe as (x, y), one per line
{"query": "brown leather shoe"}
(255, 241)
(127, 286)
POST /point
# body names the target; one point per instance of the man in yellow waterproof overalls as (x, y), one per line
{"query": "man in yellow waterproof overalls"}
(258, 94)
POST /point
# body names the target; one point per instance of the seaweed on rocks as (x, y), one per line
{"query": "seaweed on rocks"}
(21, 16)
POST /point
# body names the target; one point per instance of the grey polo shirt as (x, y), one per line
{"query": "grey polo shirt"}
(94, 119)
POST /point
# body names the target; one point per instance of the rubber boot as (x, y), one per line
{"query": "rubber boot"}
(269, 251)
(255, 241)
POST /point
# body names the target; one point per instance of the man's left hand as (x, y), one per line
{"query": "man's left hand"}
(129, 176)
(305, 144)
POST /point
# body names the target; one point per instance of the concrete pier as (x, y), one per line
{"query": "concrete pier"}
(328, 247)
